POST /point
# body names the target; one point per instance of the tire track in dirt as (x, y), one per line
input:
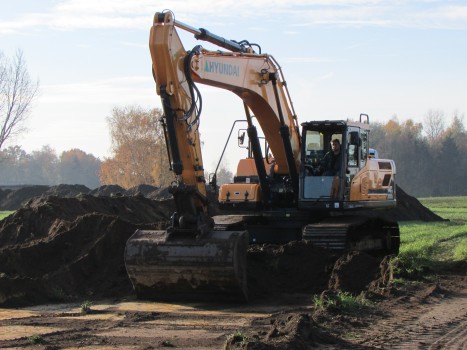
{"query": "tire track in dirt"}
(441, 326)
(454, 339)
(430, 321)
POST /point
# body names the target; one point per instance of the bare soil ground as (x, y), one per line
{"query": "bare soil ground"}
(431, 316)
(59, 253)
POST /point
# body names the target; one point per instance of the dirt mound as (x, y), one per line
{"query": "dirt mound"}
(286, 331)
(66, 191)
(3, 194)
(16, 198)
(145, 190)
(160, 193)
(408, 208)
(108, 190)
(290, 268)
(83, 239)
(353, 272)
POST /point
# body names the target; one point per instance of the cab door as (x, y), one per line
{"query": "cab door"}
(357, 151)
(354, 160)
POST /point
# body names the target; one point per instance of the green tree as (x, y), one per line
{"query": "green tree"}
(449, 171)
(11, 159)
(457, 131)
(42, 168)
(404, 143)
(20, 168)
(78, 167)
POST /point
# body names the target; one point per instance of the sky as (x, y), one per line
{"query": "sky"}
(340, 58)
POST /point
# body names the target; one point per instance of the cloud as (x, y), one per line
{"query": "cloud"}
(126, 90)
(79, 14)
(447, 16)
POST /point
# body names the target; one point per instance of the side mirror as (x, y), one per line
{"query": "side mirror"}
(241, 137)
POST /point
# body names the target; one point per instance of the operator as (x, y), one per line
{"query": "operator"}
(331, 162)
(331, 166)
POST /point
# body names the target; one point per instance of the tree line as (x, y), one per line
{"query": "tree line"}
(45, 167)
(430, 157)
(138, 156)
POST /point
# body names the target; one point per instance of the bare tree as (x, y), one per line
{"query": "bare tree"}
(434, 124)
(17, 92)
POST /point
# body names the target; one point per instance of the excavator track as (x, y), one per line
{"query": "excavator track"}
(354, 233)
(183, 267)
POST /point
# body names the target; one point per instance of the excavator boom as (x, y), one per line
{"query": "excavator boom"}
(189, 260)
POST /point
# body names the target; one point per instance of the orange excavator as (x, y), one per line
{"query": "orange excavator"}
(294, 188)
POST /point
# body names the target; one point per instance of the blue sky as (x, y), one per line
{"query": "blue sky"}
(340, 58)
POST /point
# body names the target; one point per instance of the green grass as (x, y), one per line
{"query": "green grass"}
(451, 208)
(86, 307)
(435, 245)
(341, 301)
(4, 214)
(445, 202)
(35, 339)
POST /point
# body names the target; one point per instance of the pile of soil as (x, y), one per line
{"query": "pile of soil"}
(295, 267)
(14, 199)
(57, 248)
(287, 331)
(408, 209)
(66, 244)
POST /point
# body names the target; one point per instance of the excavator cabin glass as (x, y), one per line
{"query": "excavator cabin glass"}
(326, 171)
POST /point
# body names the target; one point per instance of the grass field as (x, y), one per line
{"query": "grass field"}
(4, 214)
(435, 245)
(452, 208)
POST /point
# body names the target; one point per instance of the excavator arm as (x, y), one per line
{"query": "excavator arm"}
(181, 121)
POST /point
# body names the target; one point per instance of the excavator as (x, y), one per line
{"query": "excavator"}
(281, 191)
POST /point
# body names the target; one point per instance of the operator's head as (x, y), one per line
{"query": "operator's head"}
(336, 146)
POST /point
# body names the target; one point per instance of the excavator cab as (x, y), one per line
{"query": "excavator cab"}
(323, 163)
(356, 180)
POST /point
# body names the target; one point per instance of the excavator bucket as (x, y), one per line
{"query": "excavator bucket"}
(177, 267)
